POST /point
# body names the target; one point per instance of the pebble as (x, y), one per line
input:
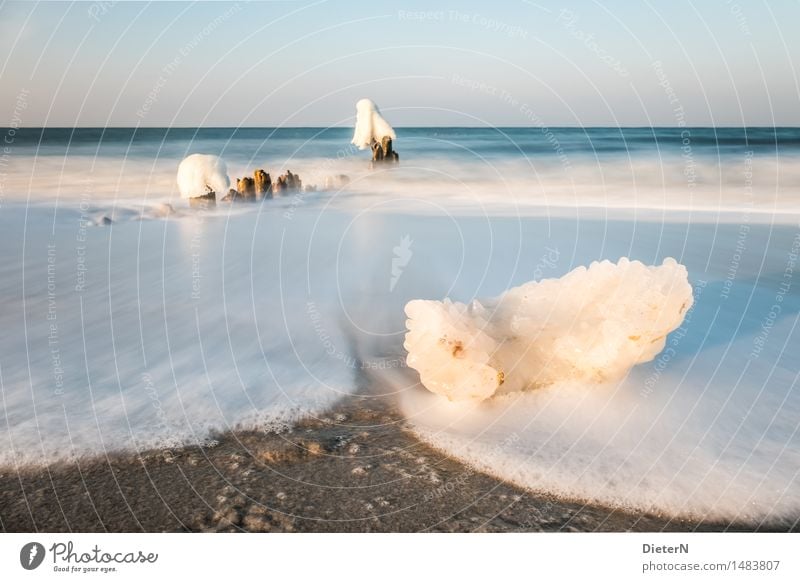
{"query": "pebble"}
(313, 448)
(256, 523)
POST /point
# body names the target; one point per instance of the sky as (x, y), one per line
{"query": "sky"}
(426, 63)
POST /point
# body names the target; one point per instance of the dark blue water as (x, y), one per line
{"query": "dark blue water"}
(511, 141)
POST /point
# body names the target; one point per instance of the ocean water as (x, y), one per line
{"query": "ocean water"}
(130, 320)
(513, 170)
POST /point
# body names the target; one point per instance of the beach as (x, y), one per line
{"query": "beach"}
(357, 469)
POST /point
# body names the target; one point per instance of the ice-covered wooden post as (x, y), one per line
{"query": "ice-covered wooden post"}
(374, 132)
(200, 177)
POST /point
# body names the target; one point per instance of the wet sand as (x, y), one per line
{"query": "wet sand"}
(358, 469)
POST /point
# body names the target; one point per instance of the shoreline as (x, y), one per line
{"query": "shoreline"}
(357, 469)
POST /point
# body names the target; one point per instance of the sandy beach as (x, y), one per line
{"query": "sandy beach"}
(356, 469)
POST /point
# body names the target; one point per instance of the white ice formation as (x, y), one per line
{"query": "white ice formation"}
(370, 125)
(199, 174)
(591, 325)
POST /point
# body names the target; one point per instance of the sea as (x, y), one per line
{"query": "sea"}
(132, 320)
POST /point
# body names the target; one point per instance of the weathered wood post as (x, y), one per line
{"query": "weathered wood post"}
(293, 181)
(246, 187)
(288, 182)
(263, 184)
(205, 201)
(383, 151)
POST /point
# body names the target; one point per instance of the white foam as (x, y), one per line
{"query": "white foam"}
(626, 189)
(157, 333)
(681, 453)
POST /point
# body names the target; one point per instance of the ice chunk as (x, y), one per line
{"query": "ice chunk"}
(200, 174)
(370, 125)
(592, 325)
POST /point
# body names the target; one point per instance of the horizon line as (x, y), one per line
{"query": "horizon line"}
(404, 127)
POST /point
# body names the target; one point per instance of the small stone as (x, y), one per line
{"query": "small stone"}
(256, 523)
(228, 519)
(313, 448)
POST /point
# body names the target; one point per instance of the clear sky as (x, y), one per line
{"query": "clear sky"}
(305, 63)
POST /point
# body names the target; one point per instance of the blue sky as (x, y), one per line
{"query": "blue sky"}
(300, 63)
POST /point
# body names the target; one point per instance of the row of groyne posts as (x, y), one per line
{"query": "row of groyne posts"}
(201, 175)
(262, 187)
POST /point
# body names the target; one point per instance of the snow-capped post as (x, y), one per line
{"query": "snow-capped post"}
(374, 132)
(200, 177)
